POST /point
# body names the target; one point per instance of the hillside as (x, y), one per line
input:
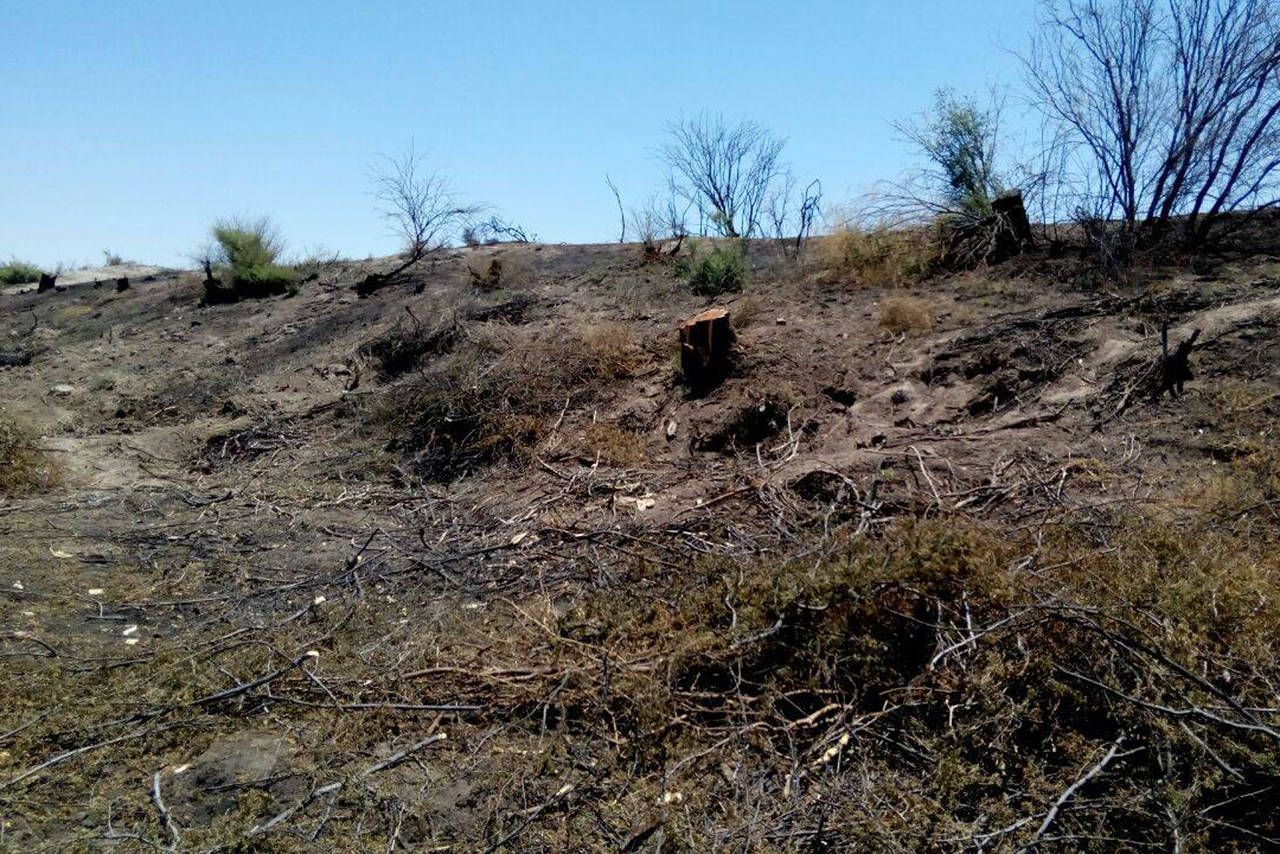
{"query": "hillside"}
(463, 566)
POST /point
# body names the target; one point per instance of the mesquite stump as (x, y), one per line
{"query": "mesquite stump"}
(1008, 206)
(705, 340)
(1175, 367)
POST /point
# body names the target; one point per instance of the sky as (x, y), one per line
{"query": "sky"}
(130, 126)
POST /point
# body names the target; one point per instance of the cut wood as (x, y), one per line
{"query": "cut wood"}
(704, 347)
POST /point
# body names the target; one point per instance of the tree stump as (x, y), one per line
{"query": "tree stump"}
(1175, 367)
(122, 284)
(1008, 205)
(47, 282)
(704, 348)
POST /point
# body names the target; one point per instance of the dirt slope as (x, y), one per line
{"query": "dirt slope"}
(258, 601)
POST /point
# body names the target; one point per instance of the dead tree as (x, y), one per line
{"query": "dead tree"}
(1173, 105)
(421, 206)
(726, 171)
(1175, 368)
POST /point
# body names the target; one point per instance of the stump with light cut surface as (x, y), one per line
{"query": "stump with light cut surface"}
(704, 348)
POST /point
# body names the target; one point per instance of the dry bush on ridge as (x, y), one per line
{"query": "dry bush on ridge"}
(879, 256)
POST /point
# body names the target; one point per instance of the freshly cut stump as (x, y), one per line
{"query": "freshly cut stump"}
(704, 348)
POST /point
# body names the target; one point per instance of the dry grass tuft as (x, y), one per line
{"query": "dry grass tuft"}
(23, 466)
(902, 315)
(879, 256)
(608, 350)
(613, 445)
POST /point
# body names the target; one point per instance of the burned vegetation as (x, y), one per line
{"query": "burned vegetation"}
(480, 570)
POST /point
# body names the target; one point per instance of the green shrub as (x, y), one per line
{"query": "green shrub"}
(19, 273)
(242, 262)
(722, 270)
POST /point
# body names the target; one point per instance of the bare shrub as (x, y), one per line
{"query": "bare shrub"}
(726, 171)
(420, 204)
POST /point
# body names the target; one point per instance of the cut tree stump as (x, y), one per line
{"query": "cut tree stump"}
(47, 282)
(1175, 367)
(1010, 208)
(704, 348)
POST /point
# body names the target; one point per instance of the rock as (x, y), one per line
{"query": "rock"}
(62, 390)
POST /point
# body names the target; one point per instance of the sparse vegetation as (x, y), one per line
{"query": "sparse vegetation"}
(902, 315)
(242, 261)
(613, 445)
(879, 256)
(23, 467)
(718, 270)
(19, 273)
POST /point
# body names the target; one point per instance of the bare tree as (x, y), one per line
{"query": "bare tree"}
(1170, 104)
(420, 204)
(792, 223)
(724, 170)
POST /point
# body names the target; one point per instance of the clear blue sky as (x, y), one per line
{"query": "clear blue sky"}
(131, 125)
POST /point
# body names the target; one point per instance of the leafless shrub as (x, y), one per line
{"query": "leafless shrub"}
(791, 220)
(725, 171)
(494, 230)
(420, 204)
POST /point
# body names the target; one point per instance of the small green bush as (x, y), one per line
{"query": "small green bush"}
(242, 262)
(19, 273)
(722, 270)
